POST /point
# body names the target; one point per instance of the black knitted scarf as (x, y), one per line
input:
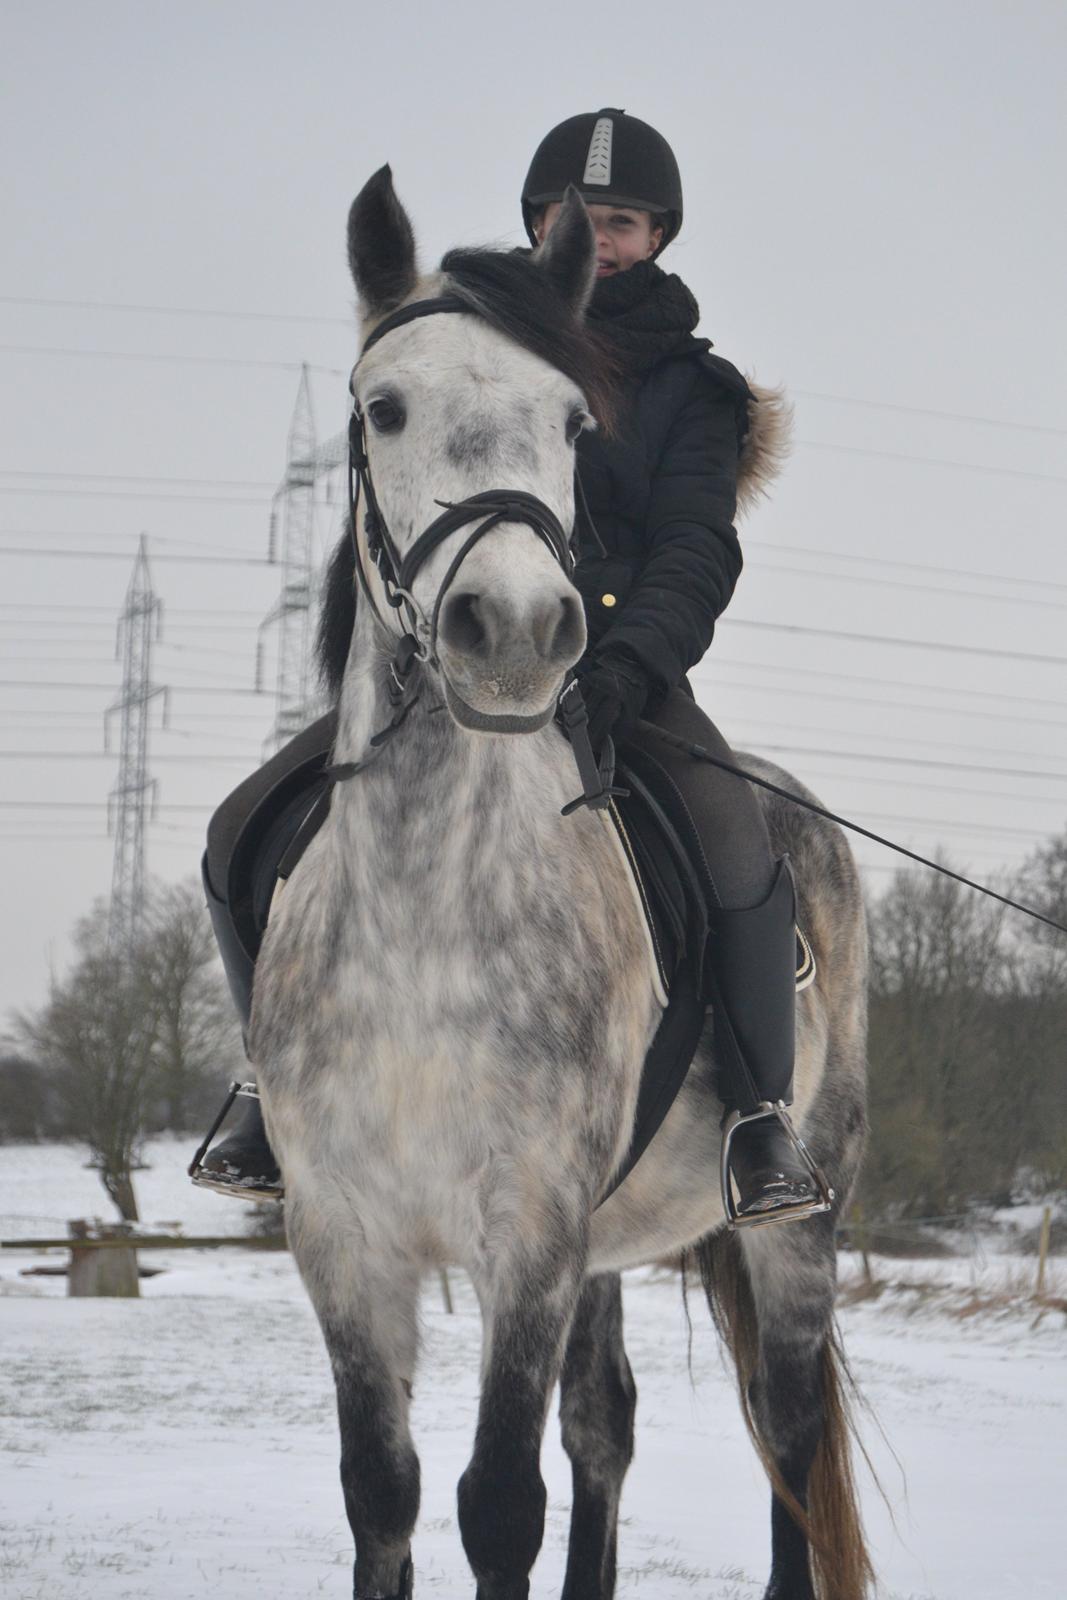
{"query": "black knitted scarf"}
(644, 313)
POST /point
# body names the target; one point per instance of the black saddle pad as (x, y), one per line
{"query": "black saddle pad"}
(241, 871)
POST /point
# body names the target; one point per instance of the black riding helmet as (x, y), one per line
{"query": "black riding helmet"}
(611, 159)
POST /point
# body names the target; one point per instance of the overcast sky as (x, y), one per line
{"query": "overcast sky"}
(874, 217)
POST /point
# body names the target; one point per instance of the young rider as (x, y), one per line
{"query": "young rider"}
(661, 493)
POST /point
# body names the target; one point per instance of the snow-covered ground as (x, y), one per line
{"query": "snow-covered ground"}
(186, 1442)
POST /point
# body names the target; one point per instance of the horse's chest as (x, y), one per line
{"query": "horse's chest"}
(408, 1034)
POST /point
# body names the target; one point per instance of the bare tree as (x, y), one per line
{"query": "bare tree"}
(939, 977)
(134, 1042)
(198, 1037)
(96, 1037)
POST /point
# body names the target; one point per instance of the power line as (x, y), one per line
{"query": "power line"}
(185, 360)
(821, 574)
(174, 311)
(890, 683)
(55, 683)
(118, 555)
(923, 411)
(349, 324)
(909, 740)
(957, 827)
(140, 494)
(172, 611)
(882, 779)
(907, 566)
(130, 477)
(72, 643)
(890, 705)
(928, 461)
(100, 661)
(906, 761)
(90, 805)
(100, 755)
(910, 644)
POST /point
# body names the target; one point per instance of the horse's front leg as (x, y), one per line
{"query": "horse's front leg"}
(598, 1398)
(367, 1308)
(528, 1299)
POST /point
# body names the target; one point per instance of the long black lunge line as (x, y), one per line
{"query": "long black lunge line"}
(698, 752)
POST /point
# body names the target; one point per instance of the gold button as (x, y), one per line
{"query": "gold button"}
(607, 599)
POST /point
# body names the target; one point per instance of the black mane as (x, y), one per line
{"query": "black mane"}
(514, 296)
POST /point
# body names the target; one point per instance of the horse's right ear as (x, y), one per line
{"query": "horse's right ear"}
(381, 246)
(568, 254)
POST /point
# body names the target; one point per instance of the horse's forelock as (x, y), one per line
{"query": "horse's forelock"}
(511, 293)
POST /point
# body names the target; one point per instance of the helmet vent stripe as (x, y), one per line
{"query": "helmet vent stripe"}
(598, 161)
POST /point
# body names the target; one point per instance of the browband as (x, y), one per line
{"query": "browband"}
(411, 313)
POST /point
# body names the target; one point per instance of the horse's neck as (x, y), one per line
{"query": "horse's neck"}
(437, 797)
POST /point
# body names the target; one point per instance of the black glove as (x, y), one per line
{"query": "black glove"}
(615, 692)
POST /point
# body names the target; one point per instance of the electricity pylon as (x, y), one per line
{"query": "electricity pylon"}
(134, 792)
(293, 518)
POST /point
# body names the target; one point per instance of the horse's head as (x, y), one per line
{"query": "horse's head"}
(484, 402)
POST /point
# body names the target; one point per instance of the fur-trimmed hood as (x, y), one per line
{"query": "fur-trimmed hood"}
(766, 446)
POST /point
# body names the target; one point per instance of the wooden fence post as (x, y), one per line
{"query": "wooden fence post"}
(111, 1272)
(860, 1229)
(1042, 1249)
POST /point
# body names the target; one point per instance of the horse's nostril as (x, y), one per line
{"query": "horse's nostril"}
(559, 630)
(462, 627)
(570, 635)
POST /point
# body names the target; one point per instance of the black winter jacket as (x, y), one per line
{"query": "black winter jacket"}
(662, 495)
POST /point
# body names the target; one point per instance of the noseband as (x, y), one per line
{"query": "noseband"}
(398, 573)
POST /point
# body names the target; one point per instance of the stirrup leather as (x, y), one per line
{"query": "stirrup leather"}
(788, 1213)
(204, 1178)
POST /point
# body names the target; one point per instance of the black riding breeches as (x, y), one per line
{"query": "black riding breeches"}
(724, 809)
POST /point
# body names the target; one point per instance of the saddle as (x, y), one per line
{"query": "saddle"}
(655, 833)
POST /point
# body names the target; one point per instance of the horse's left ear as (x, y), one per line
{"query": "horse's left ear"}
(568, 254)
(381, 246)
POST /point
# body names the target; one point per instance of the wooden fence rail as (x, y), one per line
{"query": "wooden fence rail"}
(103, 1256)
(103, 1261)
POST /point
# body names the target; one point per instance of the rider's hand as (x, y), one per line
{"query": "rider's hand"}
(615, 692)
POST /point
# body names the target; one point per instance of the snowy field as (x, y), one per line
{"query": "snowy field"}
(186, 1443)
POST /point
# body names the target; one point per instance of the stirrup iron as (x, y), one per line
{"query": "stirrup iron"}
(204, 1178)
(790, 1213)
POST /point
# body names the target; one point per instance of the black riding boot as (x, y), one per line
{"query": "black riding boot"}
(243, 1164)
(753, 982)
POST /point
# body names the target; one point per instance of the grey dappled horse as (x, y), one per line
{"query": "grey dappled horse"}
(454, 1000)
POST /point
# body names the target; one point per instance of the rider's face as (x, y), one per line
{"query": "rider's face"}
(623, 236)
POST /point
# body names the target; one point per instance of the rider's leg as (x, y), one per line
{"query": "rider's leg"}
(753, 952)
(244, 1160)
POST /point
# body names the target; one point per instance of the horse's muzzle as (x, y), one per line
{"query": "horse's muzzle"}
(504, 654)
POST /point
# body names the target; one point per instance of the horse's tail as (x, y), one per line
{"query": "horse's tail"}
(840, 1564)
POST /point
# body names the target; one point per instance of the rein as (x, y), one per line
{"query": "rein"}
(699, 753)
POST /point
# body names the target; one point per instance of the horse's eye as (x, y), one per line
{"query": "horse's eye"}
(575, 423)
(385, 415)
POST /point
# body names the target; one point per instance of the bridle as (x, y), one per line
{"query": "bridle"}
(417, 641)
